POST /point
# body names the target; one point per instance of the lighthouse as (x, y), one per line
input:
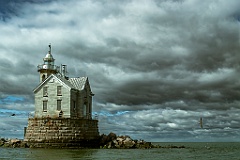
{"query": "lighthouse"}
(63, 109)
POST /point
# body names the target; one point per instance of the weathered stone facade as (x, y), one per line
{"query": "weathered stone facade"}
(62, 132)
(75, 101)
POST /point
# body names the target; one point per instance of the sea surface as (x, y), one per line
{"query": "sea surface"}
(202, 150)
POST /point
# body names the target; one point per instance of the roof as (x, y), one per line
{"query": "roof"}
(48, 57)
(78, 83)
(72, 83)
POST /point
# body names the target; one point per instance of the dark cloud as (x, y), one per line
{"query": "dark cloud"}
(10, 8)
(155, 67)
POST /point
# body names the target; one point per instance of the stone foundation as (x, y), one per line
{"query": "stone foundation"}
(62, 132)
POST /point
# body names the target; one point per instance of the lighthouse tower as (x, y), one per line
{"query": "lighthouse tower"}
(48, 67)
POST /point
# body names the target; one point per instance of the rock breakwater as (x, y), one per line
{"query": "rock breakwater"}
(122, 142)
(110, 141)
(13, 143)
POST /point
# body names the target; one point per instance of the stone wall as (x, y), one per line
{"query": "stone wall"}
(62, 132)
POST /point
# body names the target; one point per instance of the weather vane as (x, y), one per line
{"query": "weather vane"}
(49, 47)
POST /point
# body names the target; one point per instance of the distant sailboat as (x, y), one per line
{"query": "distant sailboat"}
(201, 122)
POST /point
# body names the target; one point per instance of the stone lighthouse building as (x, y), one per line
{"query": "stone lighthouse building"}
(63, 109)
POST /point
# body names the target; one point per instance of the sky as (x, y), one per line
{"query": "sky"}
(155, 66)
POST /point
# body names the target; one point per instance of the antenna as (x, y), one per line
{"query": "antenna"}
(49, 48)
(201, 122)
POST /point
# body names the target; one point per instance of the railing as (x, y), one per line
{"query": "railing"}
(48, 66)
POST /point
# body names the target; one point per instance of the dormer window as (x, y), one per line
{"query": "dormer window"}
(59, 90)
(45, 91)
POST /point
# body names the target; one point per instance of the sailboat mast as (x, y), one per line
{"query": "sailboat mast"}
(201, 122)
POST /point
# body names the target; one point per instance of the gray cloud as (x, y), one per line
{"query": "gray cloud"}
(167, 63)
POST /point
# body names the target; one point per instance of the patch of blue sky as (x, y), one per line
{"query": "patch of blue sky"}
(105, 113)
(11, 99)
(4, 112)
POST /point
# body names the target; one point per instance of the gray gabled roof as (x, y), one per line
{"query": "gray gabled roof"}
(78, 83)
(73, 83)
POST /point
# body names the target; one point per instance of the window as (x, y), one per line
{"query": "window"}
(74, 105)
(45, 92)
(43, 77)
(44, 106)
(59, 90)
(85, 110)
(59, 105)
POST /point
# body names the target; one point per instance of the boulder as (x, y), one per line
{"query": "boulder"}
(14, 141)
(120, 139)
(113, 141)
(111, 136)
(128, 143)
(103, 140)
(2, 141)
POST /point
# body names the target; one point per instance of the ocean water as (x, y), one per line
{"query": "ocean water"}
(199, 151)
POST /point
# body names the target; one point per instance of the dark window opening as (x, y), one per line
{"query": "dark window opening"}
(74, 105)
(43, 77)
(59, 105)
(45, 92)
(59, 90)
(85, 110)
(44, 106)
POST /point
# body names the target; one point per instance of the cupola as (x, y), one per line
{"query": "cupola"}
(48, 67)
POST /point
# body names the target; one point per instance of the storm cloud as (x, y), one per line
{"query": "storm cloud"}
(155, 66)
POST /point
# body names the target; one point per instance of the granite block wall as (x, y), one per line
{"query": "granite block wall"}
(61, 131)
